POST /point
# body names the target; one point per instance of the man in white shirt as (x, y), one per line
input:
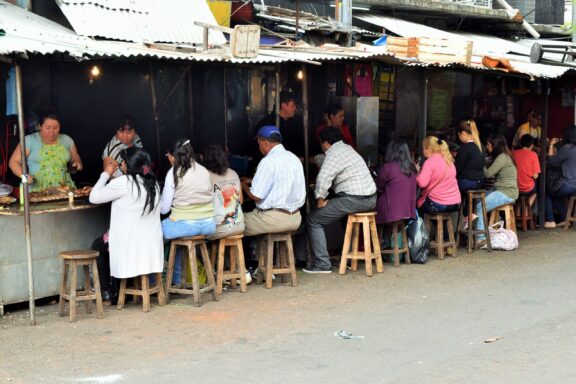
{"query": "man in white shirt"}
(345, 171)
(278, 187)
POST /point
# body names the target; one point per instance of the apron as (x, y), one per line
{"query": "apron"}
(53, 168)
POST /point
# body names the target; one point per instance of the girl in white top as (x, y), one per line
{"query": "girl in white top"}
(135, 237)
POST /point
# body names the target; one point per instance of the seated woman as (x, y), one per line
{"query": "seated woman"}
(503, 170)
(558, 188)
(396, 185)
(437, 178)
(188, 196)
(48, 153)
(135, 236)
(227, 193)
(470, 161)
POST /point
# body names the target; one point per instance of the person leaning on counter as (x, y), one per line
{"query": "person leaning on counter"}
(124, 138)
(48, 153)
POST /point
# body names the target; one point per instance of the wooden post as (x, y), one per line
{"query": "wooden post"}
(423, 109)
(305, 119)
(277, 102)
(155, 112)
(27, 229)
(543, 157)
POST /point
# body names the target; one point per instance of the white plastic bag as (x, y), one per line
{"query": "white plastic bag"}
(502, 238)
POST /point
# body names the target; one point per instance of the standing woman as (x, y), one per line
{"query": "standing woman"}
(396, 185)
(504, 172)
(47, 154)
(437, 178)
(227, 193)
(135, 236)
(188, 196)
(470, 161)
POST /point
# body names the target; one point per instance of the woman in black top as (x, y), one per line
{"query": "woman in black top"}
(470, 160)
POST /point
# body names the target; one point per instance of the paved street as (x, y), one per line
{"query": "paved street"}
(421, 324)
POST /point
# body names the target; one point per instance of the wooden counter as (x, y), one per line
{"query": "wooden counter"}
(55, 227)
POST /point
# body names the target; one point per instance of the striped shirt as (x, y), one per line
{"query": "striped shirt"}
(344, 170)
(279, 181)
(114, 147)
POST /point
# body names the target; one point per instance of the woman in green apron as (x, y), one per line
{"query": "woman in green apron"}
(48, 153)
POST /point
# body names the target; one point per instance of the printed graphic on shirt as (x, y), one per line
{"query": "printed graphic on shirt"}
(227, 203)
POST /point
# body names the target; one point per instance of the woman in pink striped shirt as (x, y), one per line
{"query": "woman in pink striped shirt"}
(437, 178)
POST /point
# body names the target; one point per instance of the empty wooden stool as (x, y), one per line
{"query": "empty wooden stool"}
(367, 222)
(190, 243)
(523, 212)
(72, 260)
(509, 219)
(141, 288)
(439, 242)
(283, 265)
(237, 268)
(396, 250)
(472, 234)
(570, 215)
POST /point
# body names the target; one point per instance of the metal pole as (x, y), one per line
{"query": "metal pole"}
(424, 109)
(297, 19)
(305, 119)
(152, 80)
(543, 157)
(277, 101)
(27, 229)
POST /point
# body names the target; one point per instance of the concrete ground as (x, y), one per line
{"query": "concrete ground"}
(421, 324)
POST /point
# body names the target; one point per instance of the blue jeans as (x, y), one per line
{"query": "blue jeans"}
(465, 185)
(430, 206)
(556, 200)
(183, 228)
(494, 199)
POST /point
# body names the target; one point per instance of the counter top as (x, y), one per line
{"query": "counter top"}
(48, 207)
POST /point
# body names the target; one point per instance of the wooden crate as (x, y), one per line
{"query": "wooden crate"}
(402, 46)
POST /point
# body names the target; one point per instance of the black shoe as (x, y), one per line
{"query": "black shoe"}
(315, 269)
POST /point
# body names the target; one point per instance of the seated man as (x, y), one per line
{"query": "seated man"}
(345, 171)
(278, 187)
(528, 167)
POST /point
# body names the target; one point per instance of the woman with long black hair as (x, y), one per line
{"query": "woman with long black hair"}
(135, 235)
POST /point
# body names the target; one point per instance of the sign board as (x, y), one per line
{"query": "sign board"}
(245, 41)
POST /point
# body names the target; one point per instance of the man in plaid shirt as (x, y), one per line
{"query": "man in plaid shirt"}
(346, 172)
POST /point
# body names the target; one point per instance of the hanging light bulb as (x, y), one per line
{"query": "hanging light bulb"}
(300, 75)
(95, 71)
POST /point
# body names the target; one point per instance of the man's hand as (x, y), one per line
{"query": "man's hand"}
(321, 203)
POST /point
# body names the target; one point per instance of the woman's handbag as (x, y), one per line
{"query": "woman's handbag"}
(502, 238)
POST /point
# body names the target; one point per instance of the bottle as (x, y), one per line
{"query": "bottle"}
(21, 194)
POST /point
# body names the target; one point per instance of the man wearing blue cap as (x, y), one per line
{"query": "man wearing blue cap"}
(278, 187)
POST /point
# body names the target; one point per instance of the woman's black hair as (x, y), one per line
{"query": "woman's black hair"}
(215, 159)
(333, 109)
(569, 134)
(398, 152)
(137, 163)
(499, 146)
(183, 158)
(47, 114)
(126, 122)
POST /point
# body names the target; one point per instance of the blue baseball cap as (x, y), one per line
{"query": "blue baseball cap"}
(269, 131)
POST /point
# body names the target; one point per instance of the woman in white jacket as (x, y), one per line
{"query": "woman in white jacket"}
(135, 236)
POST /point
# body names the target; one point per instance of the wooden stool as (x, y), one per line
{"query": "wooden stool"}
(439, 242)
(284, 263)
(72, 260)
(509, 220)
(366, 220)
(570, 215)
(396, 251)
(183, 287)
(237, 267)
(523, 212)
(141, 288)
(472, 233)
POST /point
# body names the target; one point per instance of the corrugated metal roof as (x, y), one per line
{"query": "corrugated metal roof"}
(168, 21)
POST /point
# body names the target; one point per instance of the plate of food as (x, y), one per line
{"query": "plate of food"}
(6, 200)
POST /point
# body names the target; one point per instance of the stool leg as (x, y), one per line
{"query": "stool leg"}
(368, 255)
(283, 256)
(195, 277)
(451, 238)
(269, 262)
(170, 272)
(232, 256)
(261, 261)
(471, 237)
(122, 294)
(291, 262)
(63, 289)
(161, 292)
(524, 210)
(405, 242)
(209, 270)
(87, 288)
(509, 215)
(214, 247)
(486, 231)
(376, 244)
(355, 245)
(460, 223)
(239, 255)
(145, 291)
(569, 214)
(73, 287)
(395, 241)
(220, 269)
(99, 306)
(440, 238)
(346, 247)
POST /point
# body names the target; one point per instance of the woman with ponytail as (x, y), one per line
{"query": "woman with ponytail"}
(135, 235)
(188, 196)
(437, 178)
